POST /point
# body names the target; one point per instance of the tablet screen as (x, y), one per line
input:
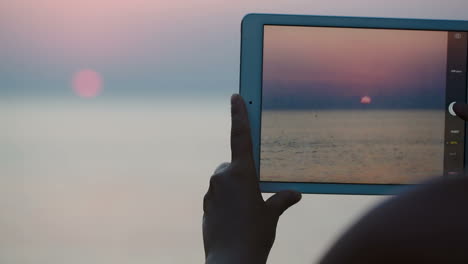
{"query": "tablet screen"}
(354, 105)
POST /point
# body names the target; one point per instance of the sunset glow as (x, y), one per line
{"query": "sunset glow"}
(87, 83)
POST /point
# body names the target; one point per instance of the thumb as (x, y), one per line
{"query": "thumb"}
(281, 201)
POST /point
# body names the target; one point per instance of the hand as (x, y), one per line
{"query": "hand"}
(238, 225)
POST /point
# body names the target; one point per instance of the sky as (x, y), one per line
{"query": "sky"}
(146, 48)
(313, 67)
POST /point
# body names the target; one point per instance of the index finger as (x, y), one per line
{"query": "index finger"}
(241, 141)
(461, 110)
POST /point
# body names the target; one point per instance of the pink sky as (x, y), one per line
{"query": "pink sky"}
(357, 60)
(138, 44)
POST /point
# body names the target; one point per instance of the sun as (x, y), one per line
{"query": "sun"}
(87, 83)
(366, 100)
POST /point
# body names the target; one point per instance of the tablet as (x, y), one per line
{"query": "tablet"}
(348, 105)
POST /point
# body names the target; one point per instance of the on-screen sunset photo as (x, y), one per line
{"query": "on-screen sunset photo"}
(352, 105)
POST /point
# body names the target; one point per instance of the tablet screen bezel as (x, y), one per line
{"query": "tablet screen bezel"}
(251, 84)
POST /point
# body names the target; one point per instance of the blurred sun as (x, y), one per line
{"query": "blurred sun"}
(87, 83)
(366, 100)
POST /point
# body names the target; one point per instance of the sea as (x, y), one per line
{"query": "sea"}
(352, 146)
(122, 181)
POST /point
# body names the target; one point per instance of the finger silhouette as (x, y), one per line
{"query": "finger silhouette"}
(281, 201)
(461, 110)
(241, 141)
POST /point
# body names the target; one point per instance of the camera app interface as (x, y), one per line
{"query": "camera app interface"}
(371, 106)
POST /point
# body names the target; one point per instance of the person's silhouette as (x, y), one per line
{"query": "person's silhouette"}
(428, 224)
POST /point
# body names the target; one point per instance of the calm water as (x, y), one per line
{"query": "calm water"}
(361, 146)
(118, 182)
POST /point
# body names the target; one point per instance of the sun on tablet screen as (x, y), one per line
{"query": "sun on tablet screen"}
(350, 105)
